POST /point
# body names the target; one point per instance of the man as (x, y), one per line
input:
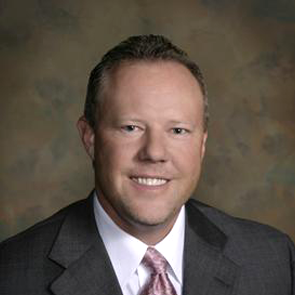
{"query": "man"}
(145, 129)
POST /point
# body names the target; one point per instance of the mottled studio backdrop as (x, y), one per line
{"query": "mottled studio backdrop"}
(246, 49)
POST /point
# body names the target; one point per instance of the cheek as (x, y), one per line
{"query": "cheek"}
(113, 157)
(191, 164)
(188, 157)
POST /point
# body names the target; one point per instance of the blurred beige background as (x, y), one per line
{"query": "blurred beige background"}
(246, 49)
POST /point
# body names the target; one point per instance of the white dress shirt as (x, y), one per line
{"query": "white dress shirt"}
(126, 252)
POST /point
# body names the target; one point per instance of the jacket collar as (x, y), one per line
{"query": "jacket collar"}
(206, 269)
(79, 249)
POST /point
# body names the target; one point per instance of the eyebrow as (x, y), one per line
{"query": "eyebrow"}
(137, 120)
(128, 119)
(180, 122)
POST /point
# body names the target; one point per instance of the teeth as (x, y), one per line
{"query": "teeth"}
(150, 181)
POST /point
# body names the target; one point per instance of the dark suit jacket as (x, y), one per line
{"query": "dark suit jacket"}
(64, 255)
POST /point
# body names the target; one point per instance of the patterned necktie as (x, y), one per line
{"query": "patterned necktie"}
(159, 283)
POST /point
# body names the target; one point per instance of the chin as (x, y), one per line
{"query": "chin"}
(152, 218)
(148, 221)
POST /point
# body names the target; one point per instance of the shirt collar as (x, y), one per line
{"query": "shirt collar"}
(171, 247)
(126, 252)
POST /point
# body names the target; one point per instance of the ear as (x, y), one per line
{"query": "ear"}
(203, 147)
(87, 136)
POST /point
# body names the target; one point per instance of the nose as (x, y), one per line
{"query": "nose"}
(153, 148)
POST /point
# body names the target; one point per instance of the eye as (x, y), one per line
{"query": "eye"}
(179, 130)
(129, 128)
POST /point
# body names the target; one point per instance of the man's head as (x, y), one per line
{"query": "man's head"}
(145, 128)
(137, 48)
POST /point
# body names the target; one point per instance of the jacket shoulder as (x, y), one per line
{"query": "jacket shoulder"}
(247, 238)
(232, 225)
(36, 238)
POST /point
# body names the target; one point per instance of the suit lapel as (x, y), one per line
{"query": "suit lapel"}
(80, 251)
(206, 270)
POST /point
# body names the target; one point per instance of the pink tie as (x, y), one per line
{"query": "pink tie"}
(159, 283)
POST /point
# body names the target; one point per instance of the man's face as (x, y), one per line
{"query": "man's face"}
(149, 143)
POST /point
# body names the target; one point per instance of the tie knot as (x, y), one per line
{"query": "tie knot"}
(154, 261)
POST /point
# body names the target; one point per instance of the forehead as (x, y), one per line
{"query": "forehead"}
(154, 91)
(150, 74)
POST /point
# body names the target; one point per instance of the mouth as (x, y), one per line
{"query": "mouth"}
(150, 181)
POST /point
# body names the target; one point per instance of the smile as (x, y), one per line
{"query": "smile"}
(149, 181)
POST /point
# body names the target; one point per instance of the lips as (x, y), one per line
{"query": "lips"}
(150, 181)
